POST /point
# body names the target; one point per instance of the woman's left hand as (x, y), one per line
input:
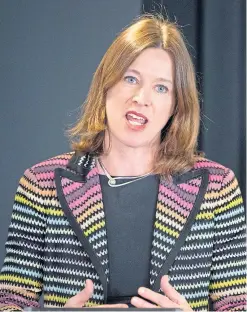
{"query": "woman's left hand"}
(172, 299)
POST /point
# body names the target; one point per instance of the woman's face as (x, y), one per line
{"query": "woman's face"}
(141, 103)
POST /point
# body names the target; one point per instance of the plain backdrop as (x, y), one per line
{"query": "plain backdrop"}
(49, 51)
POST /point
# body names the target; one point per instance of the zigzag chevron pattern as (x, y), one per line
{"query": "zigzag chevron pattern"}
(44, 253)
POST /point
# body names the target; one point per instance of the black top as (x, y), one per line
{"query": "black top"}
(129, 214)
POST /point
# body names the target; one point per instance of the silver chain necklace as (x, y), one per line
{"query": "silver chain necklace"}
(112, 182)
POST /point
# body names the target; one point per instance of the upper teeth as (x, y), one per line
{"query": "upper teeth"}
(135, 116)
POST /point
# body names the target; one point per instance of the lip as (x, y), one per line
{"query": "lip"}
(137, 114)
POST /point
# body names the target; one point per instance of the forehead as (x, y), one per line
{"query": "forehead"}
(154, 62)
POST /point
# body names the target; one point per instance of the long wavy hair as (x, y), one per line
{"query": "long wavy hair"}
(178, 147)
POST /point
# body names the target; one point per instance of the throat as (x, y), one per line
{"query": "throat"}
(121, 169)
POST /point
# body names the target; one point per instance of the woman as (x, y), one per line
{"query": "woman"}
(134, 204)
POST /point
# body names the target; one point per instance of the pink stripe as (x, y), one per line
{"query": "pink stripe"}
(231, 301)
(229, 178)
(214, 186)
(208, 164)
(177, 203)
(70, 188)
(169, 195)
(54, 161)
(239, 304)
(73, 186)
(93, 192)
(77, 204)
(94, 171)
(192, 189)
(12, 299)
(45, 175)
(216, 177)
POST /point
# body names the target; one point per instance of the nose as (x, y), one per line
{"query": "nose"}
(142, 97)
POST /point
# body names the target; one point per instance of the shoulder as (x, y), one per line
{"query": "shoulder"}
(210, 165)
(50, 164)
(44, 171)
(217, 172)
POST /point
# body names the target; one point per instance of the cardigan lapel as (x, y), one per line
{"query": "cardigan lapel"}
(178, 202)
(80, 195)
(177, 205)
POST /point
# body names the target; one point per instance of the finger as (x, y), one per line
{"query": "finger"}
(171, 292)
(111, 306)
(141, 303)
(157, 298)
(82, 297)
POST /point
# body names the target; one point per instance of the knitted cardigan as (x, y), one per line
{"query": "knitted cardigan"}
(57, 237)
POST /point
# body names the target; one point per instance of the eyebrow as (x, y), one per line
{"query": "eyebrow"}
(159, 78)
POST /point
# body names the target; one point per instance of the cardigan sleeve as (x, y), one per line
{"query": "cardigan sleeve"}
(21, 277)
(228, 272)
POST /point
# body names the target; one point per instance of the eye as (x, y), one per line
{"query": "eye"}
(161, 89)
(130, 79)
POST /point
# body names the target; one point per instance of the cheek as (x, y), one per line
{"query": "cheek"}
(116, 100)
(162, 114)
(110, 103)
(114, 109)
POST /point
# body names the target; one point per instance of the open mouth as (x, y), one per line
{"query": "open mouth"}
(136, 120)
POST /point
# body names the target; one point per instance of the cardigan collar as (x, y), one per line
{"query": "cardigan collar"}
(178, 202)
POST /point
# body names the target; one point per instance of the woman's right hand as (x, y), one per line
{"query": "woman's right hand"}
(79, 300)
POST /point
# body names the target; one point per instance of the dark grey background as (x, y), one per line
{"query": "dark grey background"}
(49, 50)
(216, 35)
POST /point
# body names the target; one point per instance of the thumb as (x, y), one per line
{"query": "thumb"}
(82, 297)
(165, 279)
(164, 283)
(170, 291)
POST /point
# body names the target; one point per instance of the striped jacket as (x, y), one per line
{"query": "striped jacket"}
(57, 237)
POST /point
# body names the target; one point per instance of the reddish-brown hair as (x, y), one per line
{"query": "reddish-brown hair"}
(178, 147)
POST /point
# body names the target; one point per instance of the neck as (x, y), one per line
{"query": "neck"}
(126, 164)
(127, 161)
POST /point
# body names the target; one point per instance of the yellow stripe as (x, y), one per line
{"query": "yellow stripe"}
(21, 280)
(169, 212)
(231, 204)
(205, 215)
(227, 283)
(39, 208)
(197, 304)
(166, 229)
(10, 308)
(62, 299)
(92, 304)
(94, 228)
(56, 298)
(88, 212)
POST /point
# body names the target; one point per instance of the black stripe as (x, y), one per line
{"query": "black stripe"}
(204, 175)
